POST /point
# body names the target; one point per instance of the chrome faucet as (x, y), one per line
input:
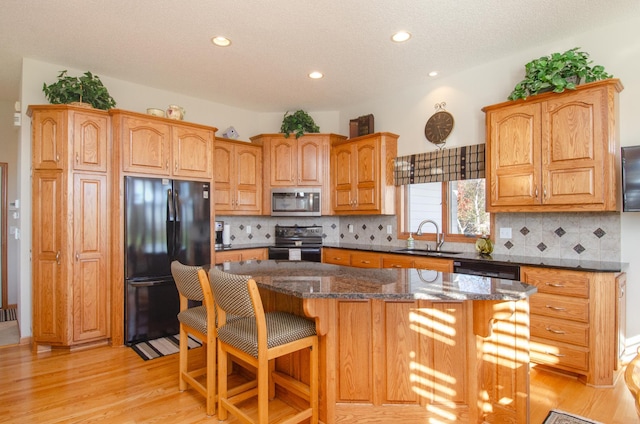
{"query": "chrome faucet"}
(439, 235)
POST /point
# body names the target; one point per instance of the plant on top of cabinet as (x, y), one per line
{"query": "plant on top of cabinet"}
(298, 122)
(557, 72)
(85, 89)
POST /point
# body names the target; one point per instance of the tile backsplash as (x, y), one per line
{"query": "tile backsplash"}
(582, 236)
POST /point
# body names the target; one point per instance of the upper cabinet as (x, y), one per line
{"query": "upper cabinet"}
(362, 175)
(555, 152)
(159, 146)
(237, 177)
(302, 162)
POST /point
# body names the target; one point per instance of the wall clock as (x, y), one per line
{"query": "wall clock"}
(439, 125)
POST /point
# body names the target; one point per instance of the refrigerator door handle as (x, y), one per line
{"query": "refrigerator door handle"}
(171, 212)
(170, 225)
(176, 226)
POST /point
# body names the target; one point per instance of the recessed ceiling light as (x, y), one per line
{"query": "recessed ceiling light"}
(400, 36)
(221, 41)
(316, 75)
(433, 73)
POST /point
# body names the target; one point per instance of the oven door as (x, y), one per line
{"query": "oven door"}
(312, 254)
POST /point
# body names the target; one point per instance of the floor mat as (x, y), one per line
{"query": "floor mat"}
(8, 315)
(157, 348)
(561, 417)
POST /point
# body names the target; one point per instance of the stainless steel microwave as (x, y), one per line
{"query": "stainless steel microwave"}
(297, 201)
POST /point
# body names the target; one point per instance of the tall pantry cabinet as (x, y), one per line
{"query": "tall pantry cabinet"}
(70, 240)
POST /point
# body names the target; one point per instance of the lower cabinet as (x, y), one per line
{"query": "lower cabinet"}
(364, 259)
(574, 321)
(241, 255)
(70, 259)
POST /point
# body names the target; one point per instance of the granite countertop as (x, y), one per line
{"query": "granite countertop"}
(318, 280)
(570, 264)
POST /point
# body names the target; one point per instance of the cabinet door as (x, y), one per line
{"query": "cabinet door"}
(91, 257)
(336, 256)
(192, 152)
(436, 264)
(514, 155)
(50, 256)
(145, 146)
(310, 161)
(91, 135)
(248, 173)
(367, 167)
(49, 138)
(343, 177)
(223, 166)
(573, 149)
(283, 155)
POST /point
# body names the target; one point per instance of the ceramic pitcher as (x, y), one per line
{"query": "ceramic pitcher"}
(175, 112)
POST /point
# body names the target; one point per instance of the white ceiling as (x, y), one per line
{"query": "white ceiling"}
(276, 43)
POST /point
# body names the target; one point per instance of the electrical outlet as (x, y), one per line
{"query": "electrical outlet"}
(248, 229)
(350, 227)
(389, 229)
(505, 233)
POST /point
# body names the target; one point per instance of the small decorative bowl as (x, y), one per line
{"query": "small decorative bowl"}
(155, 112)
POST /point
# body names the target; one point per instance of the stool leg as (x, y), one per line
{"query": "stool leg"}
(313, 381)
(211, 377)
(263, 388)
(184, 358)
(222, 382)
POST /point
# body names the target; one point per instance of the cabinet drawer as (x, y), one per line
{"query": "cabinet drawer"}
(560, 307)
(365, 260)
(559, 355)
(565, 283)
(336, 256)
(397, 261)
(560, 330)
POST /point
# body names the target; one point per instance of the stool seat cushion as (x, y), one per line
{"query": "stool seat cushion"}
(282, 328)
(195, 318)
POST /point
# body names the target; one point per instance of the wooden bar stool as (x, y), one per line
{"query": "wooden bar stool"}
(632, 378)
(258, 338)
(198, 322)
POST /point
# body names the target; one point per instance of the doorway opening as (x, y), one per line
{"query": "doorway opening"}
(3, 235)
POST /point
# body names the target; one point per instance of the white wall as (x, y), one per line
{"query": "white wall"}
(9, 136)
(401, 112)
(616, 47)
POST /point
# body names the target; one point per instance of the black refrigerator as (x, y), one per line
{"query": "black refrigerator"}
(165, 220)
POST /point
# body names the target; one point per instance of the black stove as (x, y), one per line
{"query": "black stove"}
(297, 243)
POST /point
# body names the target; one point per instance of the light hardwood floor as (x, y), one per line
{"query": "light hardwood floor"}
(113, 385)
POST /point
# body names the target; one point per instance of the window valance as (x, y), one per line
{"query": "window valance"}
(458, 163)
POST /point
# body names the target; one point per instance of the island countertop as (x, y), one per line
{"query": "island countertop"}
(325, 281)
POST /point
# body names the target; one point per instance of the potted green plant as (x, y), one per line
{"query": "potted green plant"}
(557, 72)
(87, 88)
(298, 122)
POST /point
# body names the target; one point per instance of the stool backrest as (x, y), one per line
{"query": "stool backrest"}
(187, 282)
(231, 293)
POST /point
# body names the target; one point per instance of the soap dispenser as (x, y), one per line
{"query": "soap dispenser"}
(410, 242)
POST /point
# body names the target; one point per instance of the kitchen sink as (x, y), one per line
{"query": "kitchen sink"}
(426, 252)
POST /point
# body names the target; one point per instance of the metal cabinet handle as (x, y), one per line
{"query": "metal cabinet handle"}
(558, 355)
(365, 262)
(536, 192)
(556, 308)
(77, 157)
(166, 165)
(58, 257)
(551, 330)
(554, 284)
(176, 165)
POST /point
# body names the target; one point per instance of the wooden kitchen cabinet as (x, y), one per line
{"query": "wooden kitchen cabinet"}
(70, 203)
(555, 152)
(574, 326)
(362, 175)
(301, 162)
(163, 147)
(257, 254)
(237, 177)
(350, 257)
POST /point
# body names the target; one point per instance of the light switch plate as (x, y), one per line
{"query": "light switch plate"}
(248, 229)
(505, 233)
(389, 229)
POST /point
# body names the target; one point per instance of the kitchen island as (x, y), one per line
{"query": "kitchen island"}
(406, 344)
